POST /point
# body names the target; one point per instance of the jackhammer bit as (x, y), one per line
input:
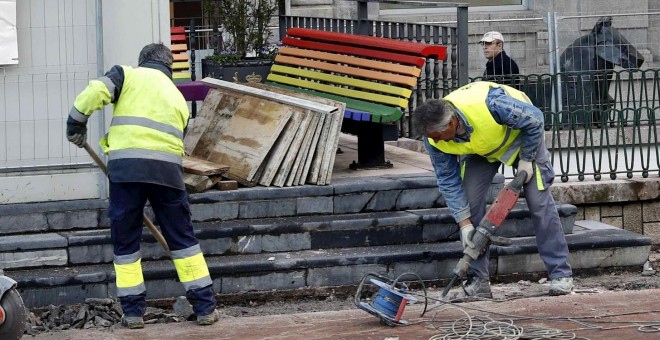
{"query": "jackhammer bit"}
(485, 233)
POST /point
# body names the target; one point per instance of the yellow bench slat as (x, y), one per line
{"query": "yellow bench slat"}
(374, 97)
(355, 61)
(342, 80)
(354, 71)
(180, 65)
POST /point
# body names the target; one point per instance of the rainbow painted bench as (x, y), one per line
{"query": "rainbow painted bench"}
(374, 76)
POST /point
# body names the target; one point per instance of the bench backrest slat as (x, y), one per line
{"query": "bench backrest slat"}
(342, 80)
(408, 81)
(378, 98)
(357, 51)
(419, 49)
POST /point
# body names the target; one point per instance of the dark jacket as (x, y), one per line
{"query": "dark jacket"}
(500, 69)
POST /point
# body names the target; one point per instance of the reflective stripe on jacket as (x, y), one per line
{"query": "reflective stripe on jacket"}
(489, 139)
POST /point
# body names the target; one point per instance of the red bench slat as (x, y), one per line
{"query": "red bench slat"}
(378, 43)
(358, 51)
(177, 30)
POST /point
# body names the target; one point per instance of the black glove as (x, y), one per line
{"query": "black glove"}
(76, 132)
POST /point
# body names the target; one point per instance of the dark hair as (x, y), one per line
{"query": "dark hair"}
(157, 53)
(434, 114)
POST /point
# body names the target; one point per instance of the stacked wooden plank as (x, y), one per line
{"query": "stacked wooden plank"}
(267, 136)
(201, 175)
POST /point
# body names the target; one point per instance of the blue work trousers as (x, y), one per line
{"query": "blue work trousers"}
(550, 238)
(170, 205)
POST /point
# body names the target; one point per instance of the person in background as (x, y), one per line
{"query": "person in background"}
(469, 134)
(500, 68)
(145, 150)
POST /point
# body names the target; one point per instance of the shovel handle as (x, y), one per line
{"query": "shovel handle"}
(147, 221)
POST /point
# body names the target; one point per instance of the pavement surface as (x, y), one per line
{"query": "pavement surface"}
(590, 314)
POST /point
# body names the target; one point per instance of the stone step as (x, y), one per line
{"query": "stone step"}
(266, 236)
(592, 245)
(344, 196)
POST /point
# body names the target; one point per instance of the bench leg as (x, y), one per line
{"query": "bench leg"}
(371, 148)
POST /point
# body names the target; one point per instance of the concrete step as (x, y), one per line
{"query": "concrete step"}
(344, 196)
(267, 235)
(592, 245)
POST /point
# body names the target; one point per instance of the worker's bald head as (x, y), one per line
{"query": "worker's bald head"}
(158, 53)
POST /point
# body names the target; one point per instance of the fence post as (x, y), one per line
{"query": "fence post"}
(281, 11)
(192, 41)
(462, 28)
(362, 17)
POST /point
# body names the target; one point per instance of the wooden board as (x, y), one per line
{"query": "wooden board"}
(330, 152)
(304, 148)
(197, 141)
(202, 167)
(290, 157)
(249, 134)
(196, 183)
(281, 147)
(301, 176)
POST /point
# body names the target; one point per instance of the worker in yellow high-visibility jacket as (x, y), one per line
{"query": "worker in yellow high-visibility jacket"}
(145, 149)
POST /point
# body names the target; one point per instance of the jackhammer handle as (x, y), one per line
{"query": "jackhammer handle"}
(518, 181)
(154, 231)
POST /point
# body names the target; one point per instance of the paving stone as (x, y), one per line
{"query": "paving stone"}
(592, 213)
(249, 244)
(216, 246)
(26, 259)
(216, 211)
(614, 257)
(260, 193)
(652, 230)
(11, 224)
(632, 218)
(383, 201)
(351, 203)
(651, 211)
(351, 186)
(104, 220)
(425, 270)
(342, 275)
(38, 241)
(285, 242)
(62, 295)
(611, 210)
(271, 281)
(102, 253)
(76, 219)
(615, 221)
(43, 207)
(161, 288)
(438, 232)
(366, 237)
(314, 205)
(267, 208)
(417, 198)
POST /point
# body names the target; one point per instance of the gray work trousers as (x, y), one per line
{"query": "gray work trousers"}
(550, 238)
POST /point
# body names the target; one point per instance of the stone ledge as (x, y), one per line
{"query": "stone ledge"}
(607, 191)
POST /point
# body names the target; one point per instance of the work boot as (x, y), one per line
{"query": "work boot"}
(209, 319)
(132, 322)
(561, 286)
(475, 286)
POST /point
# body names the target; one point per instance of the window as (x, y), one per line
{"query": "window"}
(8, 36)
(475, 6)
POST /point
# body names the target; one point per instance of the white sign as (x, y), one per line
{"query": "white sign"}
(8, 37)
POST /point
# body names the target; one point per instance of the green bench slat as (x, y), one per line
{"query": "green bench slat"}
(380, 113)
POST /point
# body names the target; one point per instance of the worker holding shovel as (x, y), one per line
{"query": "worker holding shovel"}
(145, 149)
(468, 135)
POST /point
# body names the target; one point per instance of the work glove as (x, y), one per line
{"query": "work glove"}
(467, 232)
(527, 167)
(76, 132)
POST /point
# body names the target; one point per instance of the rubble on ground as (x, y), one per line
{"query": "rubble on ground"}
(94, 313)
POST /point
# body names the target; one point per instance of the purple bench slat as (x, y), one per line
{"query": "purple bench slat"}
(193, 90)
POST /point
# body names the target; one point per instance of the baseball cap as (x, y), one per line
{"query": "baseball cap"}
(492, 35)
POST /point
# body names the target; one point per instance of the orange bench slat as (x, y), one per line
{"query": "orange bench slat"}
(358, 51)
(419, 49)
(180, 56)
(353, 71)
(179, 47)
(351, 60)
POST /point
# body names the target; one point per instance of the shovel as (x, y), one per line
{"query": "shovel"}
(147, 221)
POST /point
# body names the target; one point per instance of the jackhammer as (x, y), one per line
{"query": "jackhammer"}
(485, 233)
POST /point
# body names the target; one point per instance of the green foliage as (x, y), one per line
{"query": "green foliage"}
(246, 24)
